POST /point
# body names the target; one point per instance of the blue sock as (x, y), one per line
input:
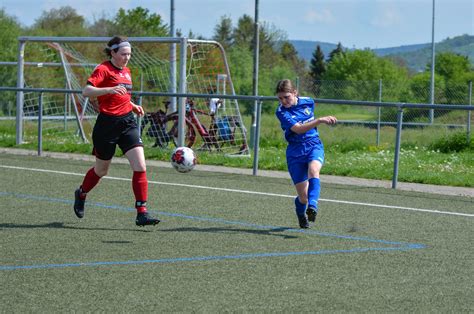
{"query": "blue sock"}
(314, 188)
(300, 208)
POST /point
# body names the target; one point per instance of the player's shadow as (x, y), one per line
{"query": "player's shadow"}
(275, 232)
(62, 225)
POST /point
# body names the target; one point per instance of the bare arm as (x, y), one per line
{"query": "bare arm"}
(303, 128)
(92, 91)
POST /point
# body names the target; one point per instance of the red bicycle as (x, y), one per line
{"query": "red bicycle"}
(221, 131)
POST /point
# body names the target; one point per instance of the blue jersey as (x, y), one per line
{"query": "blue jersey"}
(302, 112)
(302, 148)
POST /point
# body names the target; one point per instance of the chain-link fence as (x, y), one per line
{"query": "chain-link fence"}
(400, 92)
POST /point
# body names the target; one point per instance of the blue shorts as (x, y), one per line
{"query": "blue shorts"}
(298, 165)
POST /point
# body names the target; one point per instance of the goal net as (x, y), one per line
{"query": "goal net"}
(214, 125)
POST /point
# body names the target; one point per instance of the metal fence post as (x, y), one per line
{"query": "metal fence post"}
(139, 118)
(468, 136)
(20, 82)
(257, 138)
(397, 147)
(182, 90)
(379, 110)
(40, 123)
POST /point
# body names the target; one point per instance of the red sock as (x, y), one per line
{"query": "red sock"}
(140, 189)
(90, 180)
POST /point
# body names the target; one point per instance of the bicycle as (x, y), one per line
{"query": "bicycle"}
(222, 130)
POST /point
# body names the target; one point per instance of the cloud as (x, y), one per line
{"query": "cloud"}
(318, 16)
(386, 17)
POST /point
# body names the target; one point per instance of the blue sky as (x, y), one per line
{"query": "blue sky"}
(354, 23)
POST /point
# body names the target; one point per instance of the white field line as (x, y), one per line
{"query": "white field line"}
(432, 211)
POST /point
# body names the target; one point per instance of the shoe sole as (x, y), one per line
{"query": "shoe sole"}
(147, 223)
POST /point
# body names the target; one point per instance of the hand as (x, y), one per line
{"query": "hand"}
(138, 110)
(328, 120)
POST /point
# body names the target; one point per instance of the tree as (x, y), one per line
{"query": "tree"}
(223, 32)
(336, 52)
(61, 22)
(317, 65)
(139, 22)
(9, 31)
(451, 66)
(244, 32)
(290, 56)
(363, 69)
(102, 27)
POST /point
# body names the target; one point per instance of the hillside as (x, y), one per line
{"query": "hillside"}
(418, 59)
(414, 56)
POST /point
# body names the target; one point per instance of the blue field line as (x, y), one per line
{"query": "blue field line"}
(393, 245)
(202, 258)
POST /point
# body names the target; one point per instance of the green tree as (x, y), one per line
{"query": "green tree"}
(336, 52)
(363, 69)
(223, 32)
(102, 27)
(10, 29)
(244, 32)
(317, 65)
(290, 56)
(451, 66)
(453, 70)
(139, 22)
(60, 22)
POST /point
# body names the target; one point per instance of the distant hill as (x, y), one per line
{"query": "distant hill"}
(416, 57)
(305, 48)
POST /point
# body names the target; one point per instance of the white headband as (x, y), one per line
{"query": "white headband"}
(120, 45)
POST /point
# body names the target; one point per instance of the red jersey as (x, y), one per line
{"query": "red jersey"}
(108, 75)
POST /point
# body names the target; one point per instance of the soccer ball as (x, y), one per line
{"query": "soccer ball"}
(183, 159)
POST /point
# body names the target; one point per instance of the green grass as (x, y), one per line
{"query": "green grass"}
(222, 251)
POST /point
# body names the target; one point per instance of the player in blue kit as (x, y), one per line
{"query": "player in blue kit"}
(305, 151)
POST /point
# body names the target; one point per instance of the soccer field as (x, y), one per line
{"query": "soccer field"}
(226, 242)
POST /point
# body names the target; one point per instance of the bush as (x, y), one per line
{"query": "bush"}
(454, 143)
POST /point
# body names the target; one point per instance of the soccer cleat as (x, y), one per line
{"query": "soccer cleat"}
(79, 203)
(144, 219)
(312, 213)
(303, 221)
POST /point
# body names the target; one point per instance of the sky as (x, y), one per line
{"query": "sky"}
(353, 23)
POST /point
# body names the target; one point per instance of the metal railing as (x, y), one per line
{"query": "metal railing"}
(259, 100)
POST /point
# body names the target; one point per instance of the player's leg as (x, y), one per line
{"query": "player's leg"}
(104, 137)
(92, 177)
(136, 158)
(314, 185)
(299, 174)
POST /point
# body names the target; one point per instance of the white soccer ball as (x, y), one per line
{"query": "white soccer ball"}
(183, 159)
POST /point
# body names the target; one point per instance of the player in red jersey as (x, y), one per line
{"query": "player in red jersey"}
(111, 83)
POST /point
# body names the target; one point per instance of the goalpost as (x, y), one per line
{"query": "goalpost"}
(202, 69)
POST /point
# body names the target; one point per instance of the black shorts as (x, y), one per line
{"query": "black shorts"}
(110, 131)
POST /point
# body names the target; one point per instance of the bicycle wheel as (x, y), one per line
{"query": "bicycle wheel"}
(171, 126)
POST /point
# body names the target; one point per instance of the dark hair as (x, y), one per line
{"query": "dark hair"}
(114, 41)
(285, 86)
